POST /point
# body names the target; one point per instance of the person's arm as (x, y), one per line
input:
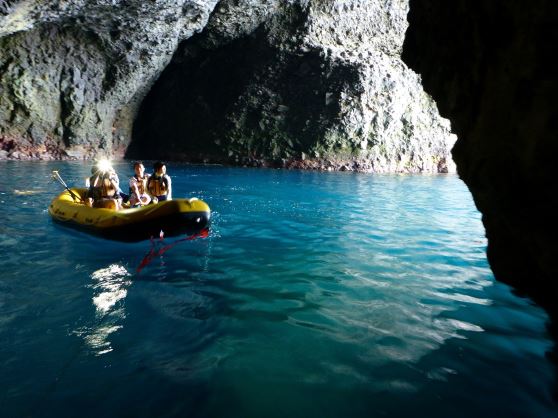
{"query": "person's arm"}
(134, 188)
(91, 191)
(115, 181)
(148, 186)
(114, 184)
(169, 194)
(147, 192)
(137, 193)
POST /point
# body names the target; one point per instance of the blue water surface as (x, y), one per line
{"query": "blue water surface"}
(315, 295)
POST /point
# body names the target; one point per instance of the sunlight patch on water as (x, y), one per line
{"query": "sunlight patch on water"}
(458, 297)
(111, 283)
(109, 291)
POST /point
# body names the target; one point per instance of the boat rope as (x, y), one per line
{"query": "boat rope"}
(153, 252)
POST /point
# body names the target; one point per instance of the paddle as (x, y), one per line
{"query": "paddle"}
(56, 176)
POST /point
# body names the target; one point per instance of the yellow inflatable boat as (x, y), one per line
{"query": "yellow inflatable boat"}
(173, 217)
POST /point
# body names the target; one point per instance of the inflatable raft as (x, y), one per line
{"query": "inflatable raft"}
(173, 217)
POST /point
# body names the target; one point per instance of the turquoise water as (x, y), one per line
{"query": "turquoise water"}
(315, 295)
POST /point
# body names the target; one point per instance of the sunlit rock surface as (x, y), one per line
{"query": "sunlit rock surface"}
(73, 73)
(300, 83)
(492, 70)
(318, 84)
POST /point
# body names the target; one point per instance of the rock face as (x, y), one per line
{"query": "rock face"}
(304, 83)
(73, 73)
(318, 84)
(492, 70)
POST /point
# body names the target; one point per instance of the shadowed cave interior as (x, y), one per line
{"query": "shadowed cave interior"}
(203, 107)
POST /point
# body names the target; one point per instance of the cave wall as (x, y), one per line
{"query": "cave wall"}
(315, 84)
(73, 73)
(303, 83)
(491, 68)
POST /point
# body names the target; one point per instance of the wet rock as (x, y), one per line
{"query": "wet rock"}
(76, 74)
(300, 78)
(491, 68)
(266, 78)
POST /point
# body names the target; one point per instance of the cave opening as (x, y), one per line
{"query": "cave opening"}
(183, 113)
(239, 101)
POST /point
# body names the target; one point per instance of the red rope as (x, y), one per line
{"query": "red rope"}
(204, 233)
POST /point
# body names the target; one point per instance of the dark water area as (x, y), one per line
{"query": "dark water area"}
(314, 295)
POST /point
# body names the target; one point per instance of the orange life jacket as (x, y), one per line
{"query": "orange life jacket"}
(101, 187)
(108, 189)
(141, 183)
(158, 185)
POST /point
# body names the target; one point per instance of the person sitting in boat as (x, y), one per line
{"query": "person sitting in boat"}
(103, 189)
(159, 183)
(138, 186)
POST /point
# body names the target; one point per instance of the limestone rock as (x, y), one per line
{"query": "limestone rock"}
(320, 78)
(75, 72)
(250, 81)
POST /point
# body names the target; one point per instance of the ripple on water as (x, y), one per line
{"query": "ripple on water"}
(316, 294)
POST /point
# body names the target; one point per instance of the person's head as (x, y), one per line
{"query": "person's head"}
(159, 168)
(139, 169)
(103, 166)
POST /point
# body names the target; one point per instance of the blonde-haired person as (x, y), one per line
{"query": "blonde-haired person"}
(103, 189)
